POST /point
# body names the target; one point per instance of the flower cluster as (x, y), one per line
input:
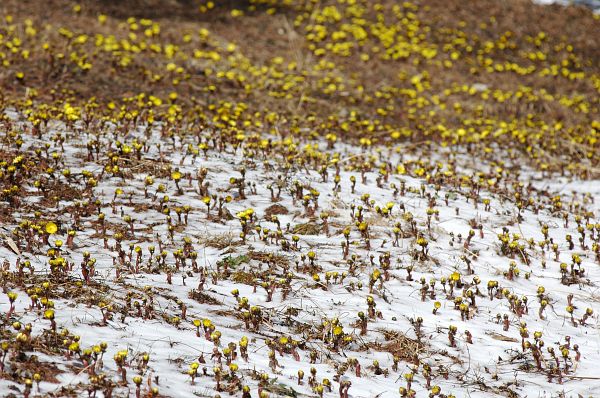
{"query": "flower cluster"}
(314, 207)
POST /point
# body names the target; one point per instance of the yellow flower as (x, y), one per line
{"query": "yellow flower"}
(49, 314)
(176, 175)
(51, 228)
(12, 296)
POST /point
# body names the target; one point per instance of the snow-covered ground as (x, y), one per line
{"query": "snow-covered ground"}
(318, 299)
(593, 4)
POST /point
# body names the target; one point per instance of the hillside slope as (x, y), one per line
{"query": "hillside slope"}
(299, 198)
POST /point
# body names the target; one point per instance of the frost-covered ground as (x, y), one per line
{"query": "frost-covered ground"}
(317, 324)
(593, 4)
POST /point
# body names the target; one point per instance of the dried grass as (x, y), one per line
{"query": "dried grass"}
(219, 241)
(400, 345)
(308, 228)
(275, 209)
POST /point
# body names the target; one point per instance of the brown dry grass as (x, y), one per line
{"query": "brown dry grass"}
(275, 209)
(399, 345)
(269, 258)
(263, 36)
